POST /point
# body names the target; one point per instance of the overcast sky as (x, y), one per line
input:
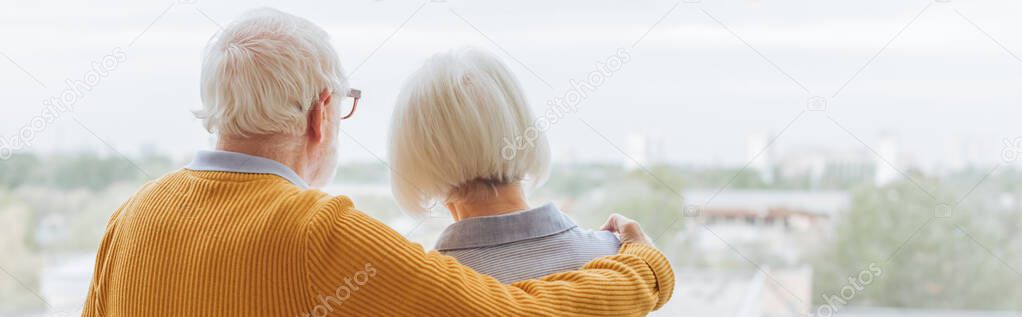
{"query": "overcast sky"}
(704, 78)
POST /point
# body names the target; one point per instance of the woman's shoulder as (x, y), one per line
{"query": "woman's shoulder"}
(604, 240)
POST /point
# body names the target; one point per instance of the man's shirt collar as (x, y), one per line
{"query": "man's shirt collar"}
(224, 161)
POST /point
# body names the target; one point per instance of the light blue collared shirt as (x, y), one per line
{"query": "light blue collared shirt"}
(224, 161)
(525, 245)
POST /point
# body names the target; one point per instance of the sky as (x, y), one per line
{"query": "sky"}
(939, 77)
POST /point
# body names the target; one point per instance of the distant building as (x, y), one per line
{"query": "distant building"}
(759, 152)
(782, 226)
(887, 161)
(643, 150)
(963, 153)
(827, 167)
(823, 167)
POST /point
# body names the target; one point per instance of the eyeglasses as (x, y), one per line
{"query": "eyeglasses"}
(348, 105)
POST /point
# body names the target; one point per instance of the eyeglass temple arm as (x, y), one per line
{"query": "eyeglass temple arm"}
(355, 94)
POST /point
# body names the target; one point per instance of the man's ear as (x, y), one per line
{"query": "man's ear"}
(318, 117)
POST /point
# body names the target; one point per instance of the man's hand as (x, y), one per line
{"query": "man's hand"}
(627, 230)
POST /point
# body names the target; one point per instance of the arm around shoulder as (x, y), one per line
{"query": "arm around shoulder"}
(406, 281)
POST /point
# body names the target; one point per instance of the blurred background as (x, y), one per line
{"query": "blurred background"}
(793, 158)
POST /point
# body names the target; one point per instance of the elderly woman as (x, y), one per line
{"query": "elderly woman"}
(463, 134)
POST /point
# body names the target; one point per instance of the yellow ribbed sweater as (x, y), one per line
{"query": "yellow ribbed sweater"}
(231, 244)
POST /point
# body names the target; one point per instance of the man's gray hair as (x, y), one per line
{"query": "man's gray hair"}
(262, 73)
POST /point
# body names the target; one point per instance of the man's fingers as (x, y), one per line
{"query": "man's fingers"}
(630, 228)
(611, 224)
(620, 224)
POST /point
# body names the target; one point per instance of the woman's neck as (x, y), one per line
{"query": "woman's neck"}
(482, 201)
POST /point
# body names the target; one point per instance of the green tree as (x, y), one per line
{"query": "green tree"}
(932, 253)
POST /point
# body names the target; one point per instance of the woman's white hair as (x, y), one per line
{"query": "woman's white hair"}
(262, 73)
(460, 120)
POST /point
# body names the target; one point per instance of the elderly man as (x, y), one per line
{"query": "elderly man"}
(239, 232)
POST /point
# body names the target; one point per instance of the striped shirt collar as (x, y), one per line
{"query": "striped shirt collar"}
(224, 161)
(488, 231)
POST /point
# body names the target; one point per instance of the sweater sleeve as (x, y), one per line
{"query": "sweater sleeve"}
(356, 265)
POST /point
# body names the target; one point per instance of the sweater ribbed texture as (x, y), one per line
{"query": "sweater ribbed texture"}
(232, 244)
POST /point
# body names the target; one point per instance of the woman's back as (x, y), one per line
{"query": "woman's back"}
(524, 245)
